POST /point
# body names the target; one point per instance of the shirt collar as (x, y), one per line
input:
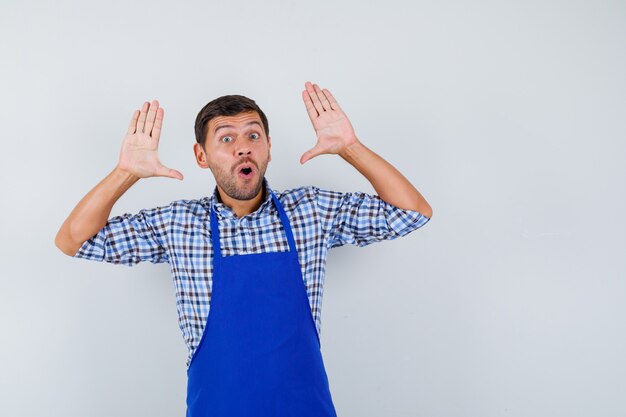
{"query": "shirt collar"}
(222, 210)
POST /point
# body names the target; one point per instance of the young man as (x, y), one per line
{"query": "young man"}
(252, 256)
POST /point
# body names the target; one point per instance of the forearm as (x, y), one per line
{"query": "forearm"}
(92, 212)
(390, 185)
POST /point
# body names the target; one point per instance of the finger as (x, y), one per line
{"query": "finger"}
(164, 171)
(322, 97)
(151, 115)
(314, 98)
(311, 153)
(142, 117)
(133, 123)
(310, 108)
(158, 123)
(333, 103)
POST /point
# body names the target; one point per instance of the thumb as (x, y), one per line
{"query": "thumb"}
(168, 172)
(311, 153)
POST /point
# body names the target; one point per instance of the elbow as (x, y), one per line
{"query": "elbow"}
(426, 210)
(422, 207)
(65, 244)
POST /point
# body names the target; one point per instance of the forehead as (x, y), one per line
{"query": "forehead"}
(238, 120)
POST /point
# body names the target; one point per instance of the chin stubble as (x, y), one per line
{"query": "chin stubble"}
(229, 185)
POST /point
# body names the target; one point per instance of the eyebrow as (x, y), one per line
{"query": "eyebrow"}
(247, 124)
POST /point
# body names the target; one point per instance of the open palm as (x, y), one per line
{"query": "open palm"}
(139, 154)
(334, 130)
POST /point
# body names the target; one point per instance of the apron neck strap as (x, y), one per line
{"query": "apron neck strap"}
(215, 232)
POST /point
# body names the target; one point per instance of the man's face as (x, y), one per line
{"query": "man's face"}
(232, 144)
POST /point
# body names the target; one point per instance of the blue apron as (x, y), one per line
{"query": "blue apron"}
(260, 352)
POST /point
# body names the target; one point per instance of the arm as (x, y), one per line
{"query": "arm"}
(361, 219)
(138, 159)
(335, 135)
(91, 213)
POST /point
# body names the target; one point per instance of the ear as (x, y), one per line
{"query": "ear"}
(201, 158)
(269, 146)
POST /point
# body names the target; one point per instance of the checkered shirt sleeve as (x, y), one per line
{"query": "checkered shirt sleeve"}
(360, 219)
(131, 238)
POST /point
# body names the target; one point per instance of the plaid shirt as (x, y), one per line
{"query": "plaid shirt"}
(180, 235)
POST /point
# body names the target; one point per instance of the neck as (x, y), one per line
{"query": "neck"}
(242, 207)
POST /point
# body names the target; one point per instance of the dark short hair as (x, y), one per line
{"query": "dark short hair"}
(229, 105)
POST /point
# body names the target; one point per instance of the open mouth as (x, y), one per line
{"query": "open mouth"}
(246, 172)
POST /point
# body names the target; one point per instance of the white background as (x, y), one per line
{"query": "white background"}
(508, 116)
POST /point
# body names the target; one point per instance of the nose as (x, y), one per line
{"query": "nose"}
(244, 151)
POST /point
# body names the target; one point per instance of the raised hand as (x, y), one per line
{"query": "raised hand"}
(139, 155)
(334, 130)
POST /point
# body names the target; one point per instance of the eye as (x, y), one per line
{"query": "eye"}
(227, 137)
(255, 135)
